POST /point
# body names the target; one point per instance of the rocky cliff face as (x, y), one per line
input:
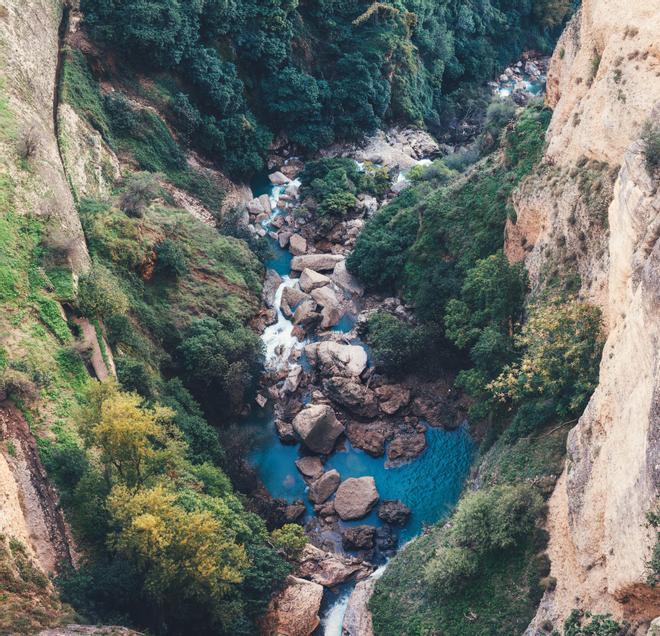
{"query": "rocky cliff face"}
(592, 207)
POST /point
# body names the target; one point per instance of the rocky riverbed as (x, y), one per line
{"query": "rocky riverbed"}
(363, 462)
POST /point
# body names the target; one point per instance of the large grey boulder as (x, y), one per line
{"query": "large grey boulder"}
(356, 497)
(271, 285)
(352, 395)
(317, 262)
(310, 467)
(318, 428)
(336, 359)
(324, 487)
(310, 280)
(278, 178)
(297, 245)
(295, 610)
(346, 281)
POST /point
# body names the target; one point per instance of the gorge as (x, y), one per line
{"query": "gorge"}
(322, 318)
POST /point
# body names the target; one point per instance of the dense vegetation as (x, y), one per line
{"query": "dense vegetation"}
(529, 364)
(317, 71)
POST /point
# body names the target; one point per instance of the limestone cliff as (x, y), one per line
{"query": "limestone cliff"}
(593, 208)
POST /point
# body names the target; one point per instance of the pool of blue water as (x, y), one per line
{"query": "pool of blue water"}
(429, 485)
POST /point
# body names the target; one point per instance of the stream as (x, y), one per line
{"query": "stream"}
(429, 485)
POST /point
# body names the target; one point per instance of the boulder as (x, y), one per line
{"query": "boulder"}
(325, 296)
(293, 512)
(329, 569)
(292, 190)
(292, 381)
(278, 178)
(306, 314)
(310, 467)
(406, 446)
(370, 437)
(330, 316)
(367, 205)
(335, 359)
(285, 432)
(357, 618)
(271, 285)
(291, 298)
(394, 512)
(264, 199)
(358, 537)
(392, 397)
(294, 611)
(318, 428)
(310, 280)
(346, 281)
(297, 245)
(352, 395)
(283, 239)
(324, 487)
(255, 208)
(356, 497)
(317, 262)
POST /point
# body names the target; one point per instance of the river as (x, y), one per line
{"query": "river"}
(429, 485)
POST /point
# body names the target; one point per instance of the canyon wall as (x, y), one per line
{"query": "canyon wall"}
(592, 207)
(29, 46)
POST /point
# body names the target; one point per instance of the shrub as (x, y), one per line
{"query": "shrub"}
(597, 625)
(561, 345)
(499, 114)
(18, 384)
(170, 259)
(290, 539)
(99, 294)
(28, 143)
(450, 569)
(397, 345)
(141, 190)
(651, 146)
(338, 204)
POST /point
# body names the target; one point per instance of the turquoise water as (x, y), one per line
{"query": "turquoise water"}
(429, 485)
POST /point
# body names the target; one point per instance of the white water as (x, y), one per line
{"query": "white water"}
(278, 338)
(334, 617)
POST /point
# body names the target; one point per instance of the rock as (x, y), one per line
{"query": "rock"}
(271, 285)
(255, 208)
(368, 205)
(283, 239)
(264, 199)
(310, 280)
(278, 178)
(329, 569)
(386, 541)
(330, 316)
(392, 397)
(324, 487)
(318, 428)
(433, 411)
(292, 190)
(325, 296)
(346, 281)
(293, 379)
(394, 512)
(306, 314)
(357, 618)
(310, 467)
(297, 245)
(370, 437)
(317, 262)
(335, 359)
(294, 611)
(352, 395)
(356, 497)
(399, 186)
(291, 298)
(654, 627)
(406, 446)
(285, 432)
(293, 512)
(261, 400)
(277, 222)
(358, 537)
